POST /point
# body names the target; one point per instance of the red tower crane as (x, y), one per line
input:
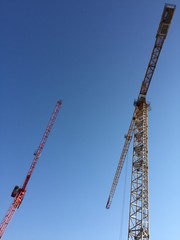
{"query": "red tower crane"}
(19, 192)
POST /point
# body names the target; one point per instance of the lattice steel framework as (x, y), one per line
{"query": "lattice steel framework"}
(19, 192)
(162, 31)
(139, 210)
(139, 207)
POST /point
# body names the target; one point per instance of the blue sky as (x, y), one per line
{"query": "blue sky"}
(92, 55)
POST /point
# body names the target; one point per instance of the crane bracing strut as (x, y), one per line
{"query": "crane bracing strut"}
(139, 204)
(19, 193)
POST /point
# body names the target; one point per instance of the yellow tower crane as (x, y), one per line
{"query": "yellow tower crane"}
(138, 228)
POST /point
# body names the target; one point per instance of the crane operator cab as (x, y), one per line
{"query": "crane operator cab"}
(15, 191)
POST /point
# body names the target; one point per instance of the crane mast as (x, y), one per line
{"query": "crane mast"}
(138, 228)
(19, 193)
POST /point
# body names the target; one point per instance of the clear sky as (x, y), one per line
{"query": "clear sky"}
(93, 55)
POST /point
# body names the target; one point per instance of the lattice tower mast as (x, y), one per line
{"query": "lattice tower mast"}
(139, 204)
(138, 228)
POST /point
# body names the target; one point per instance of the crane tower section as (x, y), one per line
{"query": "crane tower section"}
(139, 209)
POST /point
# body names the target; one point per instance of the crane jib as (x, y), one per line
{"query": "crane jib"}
(160, 37)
